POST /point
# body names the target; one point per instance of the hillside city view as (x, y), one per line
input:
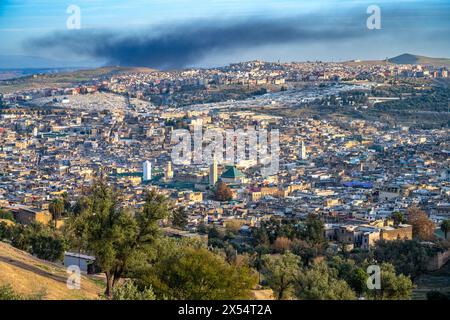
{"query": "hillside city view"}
(224, 150)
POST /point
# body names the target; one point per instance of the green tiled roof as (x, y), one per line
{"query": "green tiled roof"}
(232, 173)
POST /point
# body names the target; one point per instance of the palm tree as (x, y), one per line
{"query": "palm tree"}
(445, 227)
(56, 209)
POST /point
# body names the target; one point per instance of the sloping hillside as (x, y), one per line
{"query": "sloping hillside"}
(28, 275)
(65, 79)
(415, 59)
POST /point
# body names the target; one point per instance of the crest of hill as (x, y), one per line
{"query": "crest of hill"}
(408, 58)
(65, 79)
(405, 58)
(28, 275)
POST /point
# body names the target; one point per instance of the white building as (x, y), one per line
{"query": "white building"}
(147, 171)
(303, 154)
(213, 177)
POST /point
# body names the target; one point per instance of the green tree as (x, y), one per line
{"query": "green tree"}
(113, 235)
(393, 287)
(202, 228)
(66, 202)
(314, 230)
(257, 259)
(351, 273)
(307, 251)
(398, 218)
(179, 218)
(260, 237)
(215, 233)
(130, 291)
(49, 247)
(231, 255)
(7, 215)
(321, 283)
(216, 237)
(5, 231)
(280, 273)
(56, 208)
(39, 240)
(408, 257)
(81, 205)
(187, 272)
(445, 227)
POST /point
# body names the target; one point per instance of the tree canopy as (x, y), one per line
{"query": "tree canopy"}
(114, 235)
(223, 192)
(186, 271)
(423, 227)
(280, 273)
(322, 283)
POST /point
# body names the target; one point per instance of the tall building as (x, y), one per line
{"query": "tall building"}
(168, 173)
(213, 176)
(147, 171)
(303, 154)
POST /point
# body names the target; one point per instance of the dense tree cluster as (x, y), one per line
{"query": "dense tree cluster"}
(292, 257)
(6, 215)
(184, 270)
(333, 279)
(115, 236)
(305, 238)
(408, 257)
(435, 99)
(127, 243)
(42, 241)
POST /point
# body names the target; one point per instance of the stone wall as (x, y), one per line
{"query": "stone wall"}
(438, 260)
(404, 233)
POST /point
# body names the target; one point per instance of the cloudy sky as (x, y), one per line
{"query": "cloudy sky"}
(183, 33)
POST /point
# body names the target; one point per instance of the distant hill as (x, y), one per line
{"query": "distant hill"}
(28, 275)
(64, 79)
(30, 62)
(407, 58)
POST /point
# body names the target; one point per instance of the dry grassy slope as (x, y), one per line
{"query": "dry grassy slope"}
(263, 294)
(65, 79)
(28, 275)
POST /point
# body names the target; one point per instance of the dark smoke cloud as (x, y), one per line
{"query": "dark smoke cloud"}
(181, 45)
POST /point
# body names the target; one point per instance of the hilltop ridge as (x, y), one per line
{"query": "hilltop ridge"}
(408, 58)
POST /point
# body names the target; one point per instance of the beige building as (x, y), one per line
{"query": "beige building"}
(27, 215)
